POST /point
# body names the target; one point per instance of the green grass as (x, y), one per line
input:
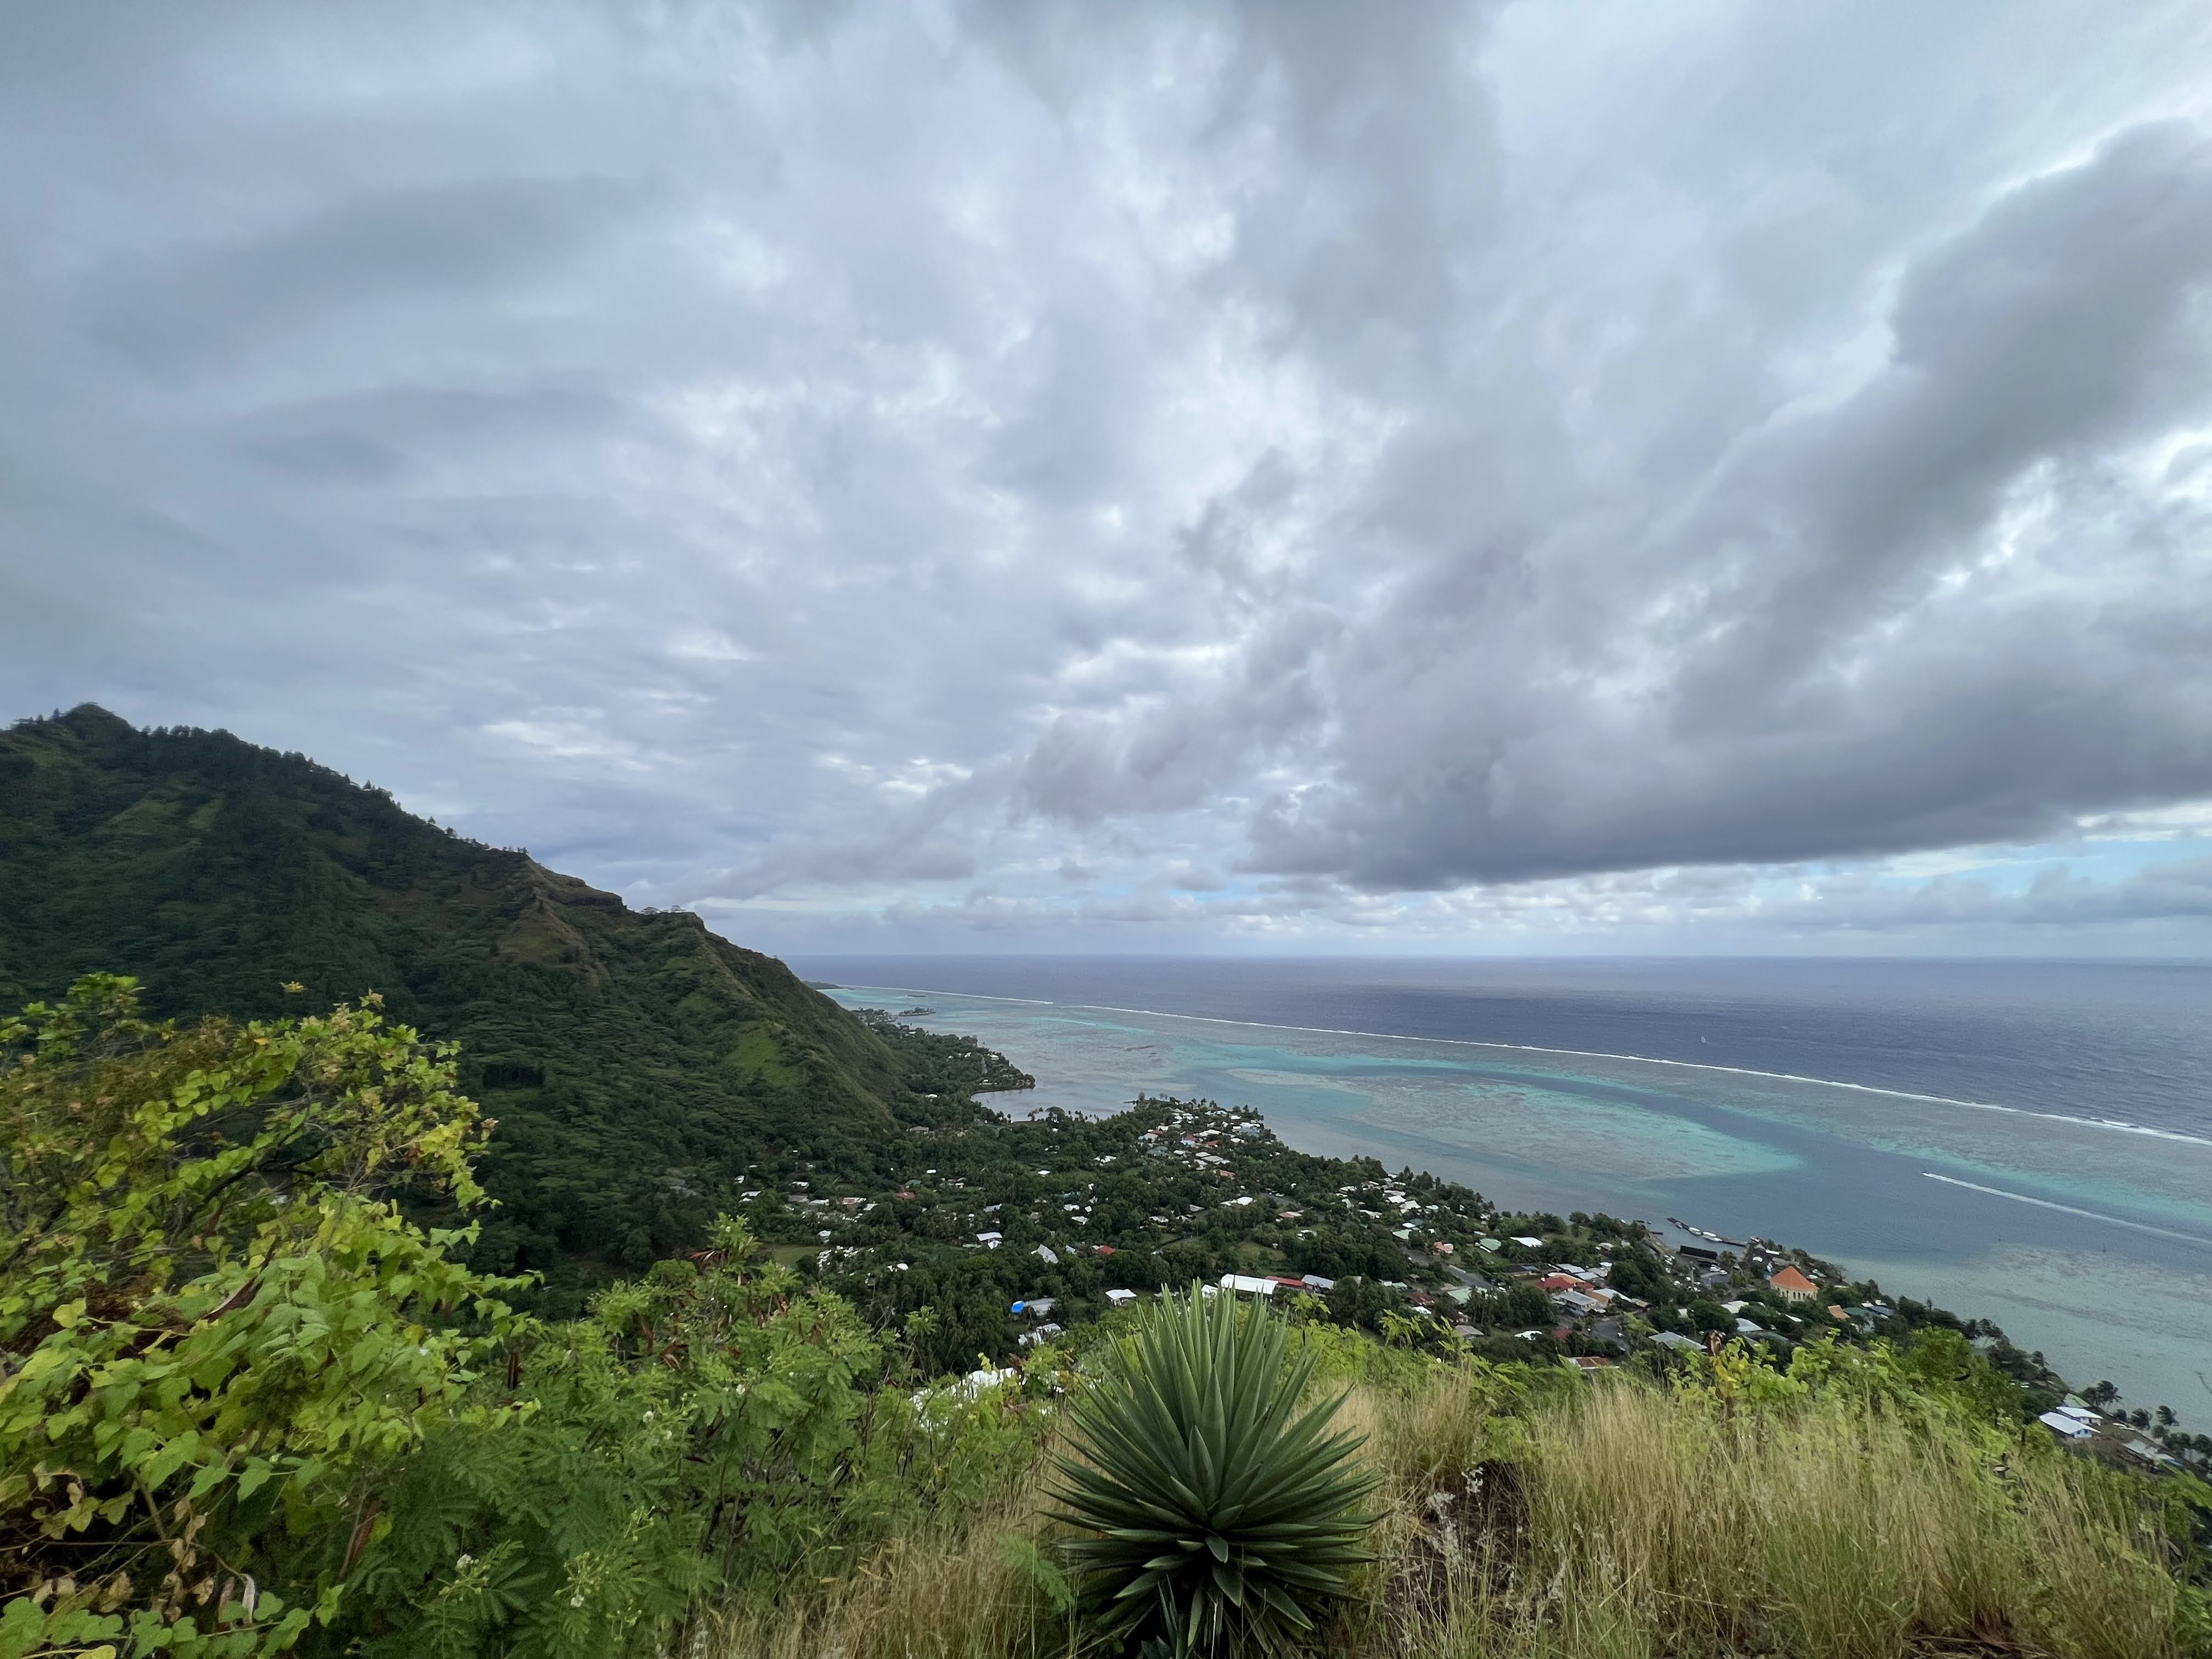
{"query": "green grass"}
(1558, 1518)
(757, 1055)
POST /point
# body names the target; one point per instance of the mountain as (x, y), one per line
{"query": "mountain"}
(637, 1063)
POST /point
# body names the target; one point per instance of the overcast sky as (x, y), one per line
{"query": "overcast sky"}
(1565, 475)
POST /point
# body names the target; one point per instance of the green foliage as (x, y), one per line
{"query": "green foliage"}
(700, 1428)
(1934, 1370)
(1634, 1274)
(214, 1321)
(1706, 1314)
(249, 1404)
(246, 1404)
(636, 1064)
(1523, 1306)
(1215, 1518)
(1944, 1363)
(941, 1063)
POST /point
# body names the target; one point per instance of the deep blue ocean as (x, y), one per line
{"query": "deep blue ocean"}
(2029, 1142)
(2115, 1040)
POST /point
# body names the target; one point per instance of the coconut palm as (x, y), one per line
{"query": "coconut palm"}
(1213, 1517)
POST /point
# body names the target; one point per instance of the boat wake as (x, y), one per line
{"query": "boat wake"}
(2068, 1209)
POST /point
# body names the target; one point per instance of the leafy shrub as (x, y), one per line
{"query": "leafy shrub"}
(248, 1405)
(216, 1325)
(1215, 1518)
(1706, 1314)
(695, 1431)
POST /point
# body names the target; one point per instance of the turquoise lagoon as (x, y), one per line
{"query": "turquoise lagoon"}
(2090, 1241)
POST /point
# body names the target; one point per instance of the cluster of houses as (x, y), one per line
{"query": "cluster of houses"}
(1582, 1289)
(1040, 1307)
(1590, 1305)
(1202, 1137)
(801, 1197)
(2077, 1425)
(1583, 1304)
(1587, 1304)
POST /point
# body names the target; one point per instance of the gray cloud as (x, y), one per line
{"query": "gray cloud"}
(2157, 910)
(2055, 898)
(506, 240)
(1828, 653)
(1207, 470)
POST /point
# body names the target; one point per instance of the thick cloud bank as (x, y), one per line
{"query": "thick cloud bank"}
(1203, 471)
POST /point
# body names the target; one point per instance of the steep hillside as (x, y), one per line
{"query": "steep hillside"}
(636, 1062)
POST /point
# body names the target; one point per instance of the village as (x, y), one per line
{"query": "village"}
(1016, 1231)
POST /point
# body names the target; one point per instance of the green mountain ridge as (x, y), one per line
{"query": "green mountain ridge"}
(636, 1062)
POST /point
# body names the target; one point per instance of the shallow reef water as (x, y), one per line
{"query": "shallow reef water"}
(2085, 1232)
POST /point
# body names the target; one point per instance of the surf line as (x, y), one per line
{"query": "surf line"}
(2069, 1209)
(2115, 1125)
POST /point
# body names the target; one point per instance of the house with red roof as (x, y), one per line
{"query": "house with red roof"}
(1791, 1283)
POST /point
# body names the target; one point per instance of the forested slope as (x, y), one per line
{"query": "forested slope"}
(637, 1063)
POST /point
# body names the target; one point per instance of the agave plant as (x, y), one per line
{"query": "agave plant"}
(1213, 1517)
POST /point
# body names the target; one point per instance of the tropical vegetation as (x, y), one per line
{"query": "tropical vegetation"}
(405, 1250)
(1841, 1507)
(636, 1064)
(1211, 1509)
(249, 1405)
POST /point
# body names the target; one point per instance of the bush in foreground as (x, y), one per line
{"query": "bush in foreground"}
(215, 1324)
(1846, 1508)
(1214, 1517)
(248, 1405)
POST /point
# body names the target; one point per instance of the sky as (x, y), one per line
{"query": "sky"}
(1571, 477)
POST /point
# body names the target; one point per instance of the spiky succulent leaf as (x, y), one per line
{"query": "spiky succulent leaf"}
(1212, 1517)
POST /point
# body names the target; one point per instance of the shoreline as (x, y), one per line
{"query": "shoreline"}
(2052, 1291)
(2120, 1126)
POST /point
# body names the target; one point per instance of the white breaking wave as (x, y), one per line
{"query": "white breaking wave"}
(2118, 1125)
(2069, 1209)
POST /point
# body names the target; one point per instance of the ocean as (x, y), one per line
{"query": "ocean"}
(2025, 1142)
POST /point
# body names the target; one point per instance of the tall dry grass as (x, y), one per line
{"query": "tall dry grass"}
(1620, 1521)
(986, 1593)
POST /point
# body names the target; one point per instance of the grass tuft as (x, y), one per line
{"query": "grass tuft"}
(1611, 1518)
